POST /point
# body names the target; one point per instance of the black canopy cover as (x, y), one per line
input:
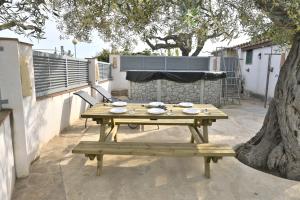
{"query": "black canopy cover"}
(177, 76)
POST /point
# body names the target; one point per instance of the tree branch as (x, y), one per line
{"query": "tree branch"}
(181, 41)
(161, 45)
(276, 12)
(200, 44)
(2, 2)
(197, 51)
(168, 37)
(11, 24)
(7, 25)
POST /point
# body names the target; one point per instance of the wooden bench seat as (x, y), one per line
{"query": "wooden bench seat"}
(208, 151)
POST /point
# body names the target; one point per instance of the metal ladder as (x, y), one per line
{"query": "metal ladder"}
(232, 83)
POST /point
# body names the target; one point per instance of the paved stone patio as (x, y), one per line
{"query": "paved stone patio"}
(60, 175)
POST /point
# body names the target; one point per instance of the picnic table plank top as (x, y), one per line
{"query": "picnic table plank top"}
(102, 110)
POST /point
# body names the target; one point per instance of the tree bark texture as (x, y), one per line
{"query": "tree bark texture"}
(276, 147)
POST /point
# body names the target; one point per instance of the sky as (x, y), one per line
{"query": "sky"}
(87, 50)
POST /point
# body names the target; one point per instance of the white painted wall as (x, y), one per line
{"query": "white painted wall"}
(119, 78)
(11, 89)
(212, 60)
(46, 118)
(35, 121)
(104, 84)
(7, 165)
(255, 79)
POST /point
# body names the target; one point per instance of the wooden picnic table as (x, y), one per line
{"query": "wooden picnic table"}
(137, 114)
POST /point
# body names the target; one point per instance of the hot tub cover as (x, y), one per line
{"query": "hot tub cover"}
(177, 76)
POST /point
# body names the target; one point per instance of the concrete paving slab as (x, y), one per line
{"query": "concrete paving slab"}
(59, 174)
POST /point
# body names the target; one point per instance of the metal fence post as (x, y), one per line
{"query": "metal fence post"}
(110, 71)
(165, 63)
(55, 73)
(67, 75)
(102, 71)
(49, 71)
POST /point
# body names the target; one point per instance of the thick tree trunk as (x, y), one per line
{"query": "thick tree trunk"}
(276, 147)
(184, 52)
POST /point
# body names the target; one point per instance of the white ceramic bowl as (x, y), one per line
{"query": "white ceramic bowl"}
(119, 104)
(156, 111)
(191, 111)
(118, 110)
(156, 104)
(186, 104)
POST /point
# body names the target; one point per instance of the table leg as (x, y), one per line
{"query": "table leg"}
(114, 135)
(205, 124)
(101, 139)
(99, 164)
(102, 132)
(205, 133)
(206, 167)
(192, 136)
(192, 139)
(199, 134)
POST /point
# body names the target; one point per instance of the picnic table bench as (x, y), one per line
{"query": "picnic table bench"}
(109, 125)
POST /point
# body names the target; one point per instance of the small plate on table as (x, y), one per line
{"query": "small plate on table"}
(156, 111)
(156, 104)
(185, 104)
(118, 110)
(119, 103)
(191, 111)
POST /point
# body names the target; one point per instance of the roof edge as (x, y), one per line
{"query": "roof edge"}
(16, 39)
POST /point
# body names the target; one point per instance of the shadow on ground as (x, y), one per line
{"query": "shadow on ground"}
(59, 174)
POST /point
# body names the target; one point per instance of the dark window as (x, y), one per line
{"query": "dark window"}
(249, 55)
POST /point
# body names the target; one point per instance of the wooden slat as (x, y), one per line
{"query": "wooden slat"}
(179, 122)
(153, 149)
(140, 112)
(178, 145)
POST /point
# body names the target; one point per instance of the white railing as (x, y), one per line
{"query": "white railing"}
(104, 71)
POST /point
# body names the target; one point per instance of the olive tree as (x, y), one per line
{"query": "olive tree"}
(160, 24)
(26, 17)
(276, 147)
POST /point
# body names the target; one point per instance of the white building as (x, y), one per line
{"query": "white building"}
(254, 59)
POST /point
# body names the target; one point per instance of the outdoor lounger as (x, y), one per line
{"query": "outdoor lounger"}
(92, 101)
(106, 98)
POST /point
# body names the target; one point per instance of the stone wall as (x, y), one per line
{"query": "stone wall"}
(146, 91)
(212, 92)
(174, 92)
(202, 91)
